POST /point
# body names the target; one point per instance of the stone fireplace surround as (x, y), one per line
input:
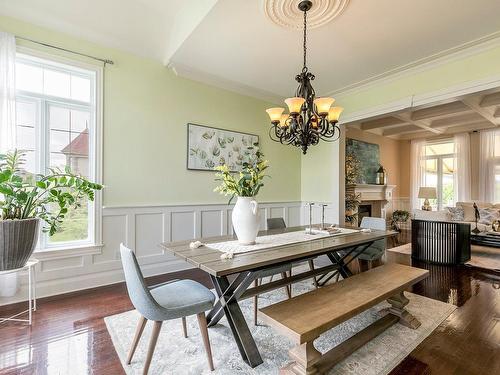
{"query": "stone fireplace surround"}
(378, 197)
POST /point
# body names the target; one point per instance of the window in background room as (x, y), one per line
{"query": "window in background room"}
(496, 161)
(56, 121)
(439, 171)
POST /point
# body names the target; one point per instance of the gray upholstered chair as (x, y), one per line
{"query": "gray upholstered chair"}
(166, 301)
(376, 251)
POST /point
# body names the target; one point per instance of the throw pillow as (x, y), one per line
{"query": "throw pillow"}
(488, 215)
(469, 212)
(456, 213)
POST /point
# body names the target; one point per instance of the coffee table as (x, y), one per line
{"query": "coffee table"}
(486, 239)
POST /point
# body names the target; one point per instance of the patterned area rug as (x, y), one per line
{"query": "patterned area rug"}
(178, 356)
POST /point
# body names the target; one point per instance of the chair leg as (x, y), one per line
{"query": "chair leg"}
(288, 288)
(152, 346)
(137, 337)
(311, 267)
(184, 327)
(255, 303)
(202, 321)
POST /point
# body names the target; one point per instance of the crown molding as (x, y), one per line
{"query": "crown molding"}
(421, 100)
(223, 83)
(444, 57)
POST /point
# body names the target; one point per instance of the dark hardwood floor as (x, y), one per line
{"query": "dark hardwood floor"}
(69, 336)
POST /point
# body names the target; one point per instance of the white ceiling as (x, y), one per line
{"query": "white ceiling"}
(232, 44)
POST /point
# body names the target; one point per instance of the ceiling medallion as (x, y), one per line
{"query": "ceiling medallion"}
(310, 119)
(286, 13)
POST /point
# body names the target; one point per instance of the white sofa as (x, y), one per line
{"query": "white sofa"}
(469, 215)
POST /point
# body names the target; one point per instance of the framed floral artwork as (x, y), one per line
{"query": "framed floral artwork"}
(209, 147)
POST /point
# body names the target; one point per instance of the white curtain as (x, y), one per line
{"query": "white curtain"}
(7, 91)
(462, 171)
(417, 170)
(488, 162)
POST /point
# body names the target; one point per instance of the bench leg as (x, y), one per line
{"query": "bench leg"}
(398, 303)
(304, 356)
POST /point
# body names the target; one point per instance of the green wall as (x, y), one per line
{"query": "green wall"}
(326, 158)
(146, 111)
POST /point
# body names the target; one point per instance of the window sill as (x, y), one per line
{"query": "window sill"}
(68, 252)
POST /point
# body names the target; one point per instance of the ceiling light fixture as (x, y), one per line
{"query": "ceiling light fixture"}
(310, 119)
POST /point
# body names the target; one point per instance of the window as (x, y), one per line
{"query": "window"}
(496, 168)
(439, 171)
(56, 115)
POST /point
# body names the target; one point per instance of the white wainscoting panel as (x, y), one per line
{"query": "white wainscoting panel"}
(142, 229)
(317, 210)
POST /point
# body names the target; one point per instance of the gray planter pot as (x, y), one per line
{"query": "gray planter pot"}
(17, 242)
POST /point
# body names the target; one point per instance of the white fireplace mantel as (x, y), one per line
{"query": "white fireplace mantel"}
(370, 192)
(379, 197)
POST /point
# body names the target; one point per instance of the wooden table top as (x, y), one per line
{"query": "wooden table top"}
(209, 260)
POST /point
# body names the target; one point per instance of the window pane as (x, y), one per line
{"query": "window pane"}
(59, 118)
(80, 120)
(497, 183)
(70, 148)
(497, 145)
(29, 78)
(26, 138)
(30, 162)
(75, 225)
(25, 113)
(440, 149)
(56, 83)
(80, 88)
(447, 182)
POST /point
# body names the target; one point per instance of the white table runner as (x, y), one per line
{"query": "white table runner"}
(234, 247)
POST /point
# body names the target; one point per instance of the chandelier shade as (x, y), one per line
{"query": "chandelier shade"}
(294, 104)
(275, 114)
(334, 114)
(323, 105)
(310, 119)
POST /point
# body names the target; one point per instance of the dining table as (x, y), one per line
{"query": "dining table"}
(233, 274)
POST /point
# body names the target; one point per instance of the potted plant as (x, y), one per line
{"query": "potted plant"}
(244, 185)
(352, 202)
(25, 199)
(399, 217)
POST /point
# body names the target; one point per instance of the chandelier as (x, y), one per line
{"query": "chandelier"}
(310, 119)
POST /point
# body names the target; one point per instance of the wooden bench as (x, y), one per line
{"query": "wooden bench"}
(305, 317)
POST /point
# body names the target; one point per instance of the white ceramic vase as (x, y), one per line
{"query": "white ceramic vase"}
(246, 220)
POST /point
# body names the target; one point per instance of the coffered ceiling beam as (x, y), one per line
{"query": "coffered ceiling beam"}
(461, 119)
(381, 123)
(473, 104)
(423, 124)
(448, 109)
(419, 134)
(490, 100)
(401, 129)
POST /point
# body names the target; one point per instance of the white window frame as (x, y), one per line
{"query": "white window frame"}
(439, 171)
(93, 244)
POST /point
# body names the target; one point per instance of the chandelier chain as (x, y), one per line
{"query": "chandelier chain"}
(305, 39)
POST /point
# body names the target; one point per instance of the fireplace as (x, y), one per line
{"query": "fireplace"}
(364, 210)
(375, 200)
